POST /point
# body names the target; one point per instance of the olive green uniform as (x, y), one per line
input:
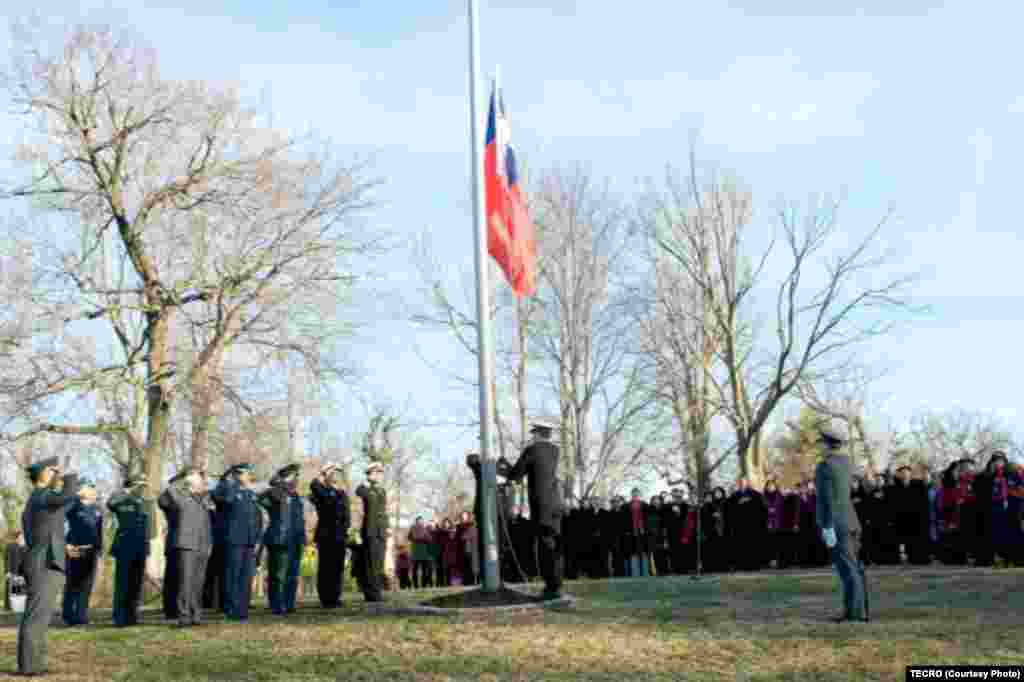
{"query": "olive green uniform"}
(374, 535)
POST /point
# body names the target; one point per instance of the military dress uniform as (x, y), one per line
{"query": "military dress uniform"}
(136, 528)
(169, 593)
(243, 531)
(85, 529)
(837, 519)
(285, 540)
(43, 525)
(539, 463)
(191, 548)
(331, 536)
(374, 536)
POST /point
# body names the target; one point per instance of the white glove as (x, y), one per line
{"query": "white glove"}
(829, 536)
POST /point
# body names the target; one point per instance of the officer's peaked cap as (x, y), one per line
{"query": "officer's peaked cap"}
(36, 469)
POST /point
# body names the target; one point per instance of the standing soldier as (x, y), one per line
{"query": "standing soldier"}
(43, 525)
(285, 538)
(213, 584)
(243, 528)
(136, 527)
(169, 593)
(839, 525)
(333, 518)
(375, 530)
(187, 500)
(84, 547)
(539, 463)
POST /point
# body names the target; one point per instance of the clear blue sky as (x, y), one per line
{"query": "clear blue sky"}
(920, 108)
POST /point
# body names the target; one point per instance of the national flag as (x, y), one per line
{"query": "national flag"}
(510, 234)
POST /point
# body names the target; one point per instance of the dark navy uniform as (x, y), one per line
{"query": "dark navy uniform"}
(243, 531)
(285, 539)
(539, 464)
(136, 527)
(43, 524)
(85, 528)
(331, 536)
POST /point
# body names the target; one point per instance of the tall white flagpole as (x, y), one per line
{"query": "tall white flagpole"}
(488, 507)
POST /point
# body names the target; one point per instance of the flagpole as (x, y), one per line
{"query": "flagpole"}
(488, 477)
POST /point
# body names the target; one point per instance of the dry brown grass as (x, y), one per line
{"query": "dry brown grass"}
(765, 627)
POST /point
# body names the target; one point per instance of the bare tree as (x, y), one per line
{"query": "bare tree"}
(676, 332)
(585, 331)
(705, 228)
(511, 320)
(842, 396)
(218, 219)
(942, 437)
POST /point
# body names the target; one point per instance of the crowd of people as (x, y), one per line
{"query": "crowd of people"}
(960, 515)
(439, 555)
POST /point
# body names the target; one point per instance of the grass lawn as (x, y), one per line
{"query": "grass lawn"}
(743, 627)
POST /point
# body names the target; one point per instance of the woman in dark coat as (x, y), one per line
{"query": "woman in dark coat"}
(715, 553)
(957, 512)
(773, 543)
(859, 497)
(995, 532)
(789, 531)
(1016, 509)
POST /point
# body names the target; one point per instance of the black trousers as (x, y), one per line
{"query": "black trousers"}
(662, 563)
(213, 584)
(191, 573)
(549, 556)
(170, 588)
(129, 573)
(81, 574)
(422, 573)
(44, 584)
(330, 573)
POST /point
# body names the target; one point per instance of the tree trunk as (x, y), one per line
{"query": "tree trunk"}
(158, 404)
(751, 459)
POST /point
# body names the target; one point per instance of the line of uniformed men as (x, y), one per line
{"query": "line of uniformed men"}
(213, 538)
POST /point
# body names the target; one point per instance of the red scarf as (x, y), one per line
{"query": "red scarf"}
(636, 506)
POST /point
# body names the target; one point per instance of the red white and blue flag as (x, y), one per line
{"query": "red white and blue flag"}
(510, 235)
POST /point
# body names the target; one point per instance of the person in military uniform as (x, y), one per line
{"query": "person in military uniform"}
(186, 499)
(169, 593)
(136, 527)
(243, 531)
(539, 463)
(43, 524)
(375, 531)
(285, 538)
(84, 543)
(333, 518)
(840, 527)
(213, 583)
